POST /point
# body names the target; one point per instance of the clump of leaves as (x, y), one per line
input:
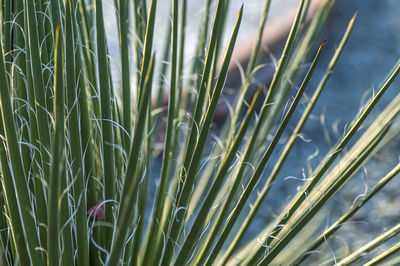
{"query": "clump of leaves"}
(78, 154)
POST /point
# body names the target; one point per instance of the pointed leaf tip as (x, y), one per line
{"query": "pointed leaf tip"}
(241, 8)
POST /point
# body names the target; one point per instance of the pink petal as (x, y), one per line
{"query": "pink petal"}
(96, 211)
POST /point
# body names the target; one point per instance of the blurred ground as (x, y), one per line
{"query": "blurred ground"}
(370, 54)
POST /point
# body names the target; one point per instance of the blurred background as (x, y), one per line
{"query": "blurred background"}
(372, 51)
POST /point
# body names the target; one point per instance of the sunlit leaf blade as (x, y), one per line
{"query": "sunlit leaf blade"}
(132, 177)
(58, 156)
(265, 158)
(106, 118)
(183, 200)
(373, 244)
(17, 170)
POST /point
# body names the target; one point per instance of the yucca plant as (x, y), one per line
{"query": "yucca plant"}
(80, 156)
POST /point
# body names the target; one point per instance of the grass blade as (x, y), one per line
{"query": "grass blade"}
(155, 232)
(132, 180)
(198, 225)
(106, 116)
(17, 169)
(291, 141)
(148, 44)
(197, 154)
(125, 78)
(19, 246)
(75, 143)
(260, 168)
(341, 221)
(371, 245)
(319, 172)
(199, 105)
(383, 256)
(297, 225)
(58, 157)
(40, 91)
